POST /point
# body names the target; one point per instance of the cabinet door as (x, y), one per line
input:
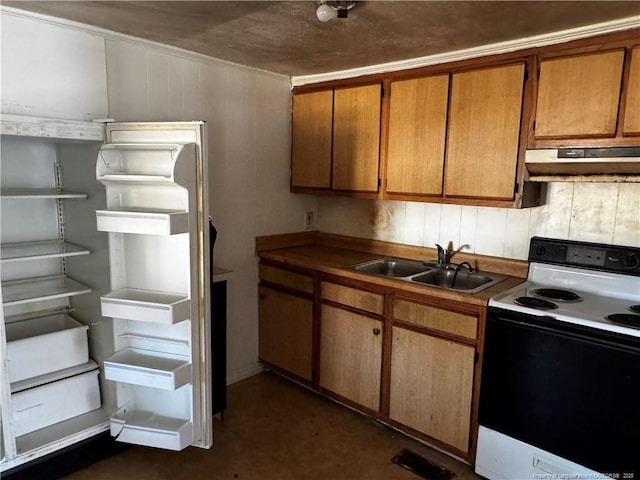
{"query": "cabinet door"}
(578, 96)
(351, 356)
(311, 140)
(356, 138)
(286, 331)
(484, 130)
(417, 125)
(431, 386)
(631, 123)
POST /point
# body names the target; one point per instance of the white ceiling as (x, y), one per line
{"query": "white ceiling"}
(285, 37)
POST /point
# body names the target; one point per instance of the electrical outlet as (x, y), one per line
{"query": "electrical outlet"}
(308, 221)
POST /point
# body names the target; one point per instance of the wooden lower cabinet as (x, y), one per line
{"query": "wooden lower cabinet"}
(405, 359)
(351, 355)
(286, 331)
(431, 386)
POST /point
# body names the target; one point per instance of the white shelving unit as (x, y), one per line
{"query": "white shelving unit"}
(104, 286)
(49, 388)
(155, 226)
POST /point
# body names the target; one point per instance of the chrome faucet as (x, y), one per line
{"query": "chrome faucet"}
(458, 268)
(443, 259)
(465, 264)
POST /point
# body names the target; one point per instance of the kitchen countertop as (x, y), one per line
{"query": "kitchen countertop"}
(334, 260)
(221, 274)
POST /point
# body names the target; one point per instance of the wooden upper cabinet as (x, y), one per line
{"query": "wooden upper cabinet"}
(417, 127)
(356, 138)
(631, 122)
(578, 96)
(484, 130)
(311, 139)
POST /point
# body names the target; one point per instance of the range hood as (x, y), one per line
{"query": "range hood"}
(615, 164)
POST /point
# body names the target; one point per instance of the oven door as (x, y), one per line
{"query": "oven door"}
(565, 389)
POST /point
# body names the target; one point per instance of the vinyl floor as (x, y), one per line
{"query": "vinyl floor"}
(274, 429)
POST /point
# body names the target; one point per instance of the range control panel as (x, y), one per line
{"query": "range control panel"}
(594, 256)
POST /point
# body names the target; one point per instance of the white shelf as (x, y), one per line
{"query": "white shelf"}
(28, 193)
(17, 292)
(135, 178)
(147, 428)
(142, 147)
(24, 251)
(131, 162)
(61, 434)
(146, 305)
(147, 369)
(53, 376)
(143, 221)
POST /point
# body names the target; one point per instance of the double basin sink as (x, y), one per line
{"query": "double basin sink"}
(430, 273)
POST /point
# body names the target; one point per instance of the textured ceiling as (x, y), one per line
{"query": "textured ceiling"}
(286, 37)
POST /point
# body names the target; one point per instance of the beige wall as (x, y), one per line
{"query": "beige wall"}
(594, 212)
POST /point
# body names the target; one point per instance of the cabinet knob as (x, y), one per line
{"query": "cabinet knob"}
(262, 296)
(376, 331)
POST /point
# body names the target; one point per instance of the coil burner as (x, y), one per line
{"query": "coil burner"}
(534, 302)
(628, 319)
(557, 294)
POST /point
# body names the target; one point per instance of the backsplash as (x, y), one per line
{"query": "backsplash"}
(592, 212)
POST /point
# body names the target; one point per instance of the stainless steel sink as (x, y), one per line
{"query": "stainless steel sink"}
(392, 267)
(430, 273)
(448, 278)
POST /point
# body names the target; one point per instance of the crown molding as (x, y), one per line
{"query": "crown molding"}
(475, 52)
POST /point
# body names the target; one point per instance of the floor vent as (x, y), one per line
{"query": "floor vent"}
(421, 466)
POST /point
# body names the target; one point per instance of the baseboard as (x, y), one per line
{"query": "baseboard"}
(246, 371)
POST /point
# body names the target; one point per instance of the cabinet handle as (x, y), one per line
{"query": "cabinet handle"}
(262, 296)
(376, 331)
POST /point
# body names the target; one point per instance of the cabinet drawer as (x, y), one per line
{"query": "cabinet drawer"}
(278, 276)
(352, 297)
(436, 318)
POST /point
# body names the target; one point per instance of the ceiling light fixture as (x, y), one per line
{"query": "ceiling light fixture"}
(328, 10)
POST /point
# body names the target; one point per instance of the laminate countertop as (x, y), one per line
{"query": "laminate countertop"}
(337, 261)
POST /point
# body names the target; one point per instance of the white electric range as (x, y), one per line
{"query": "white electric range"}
(561, 367)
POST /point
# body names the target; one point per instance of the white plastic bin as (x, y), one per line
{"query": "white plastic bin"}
(140, 368)
(146, 306)
(142, 221)
(147, 428)
(55, 402)
(45, 344)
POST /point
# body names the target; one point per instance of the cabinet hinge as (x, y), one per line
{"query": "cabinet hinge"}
(534, 125)
(526, 74)
(476, 357)
(379, 182)
(516, 187)
(381, 90)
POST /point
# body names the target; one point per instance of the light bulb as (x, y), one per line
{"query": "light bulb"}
(325, 13)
